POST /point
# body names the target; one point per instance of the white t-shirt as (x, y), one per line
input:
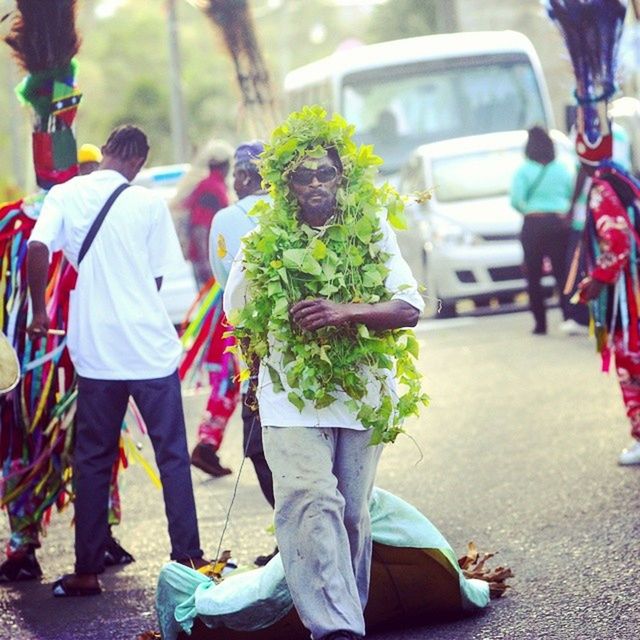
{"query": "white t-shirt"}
(118, 327)
(275, 408)
(227, 229)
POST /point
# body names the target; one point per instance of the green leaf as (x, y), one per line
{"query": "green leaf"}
(324, 401)
(311, 266)
(318, 249)
(355, 256)
(286, 149)
(328, 289)
(293, 258)
(323, 353)
(274, 288)
(338, 233)
(371, 278)
(296, 401)
(281, 307)
(275, 379)
(352, 405)
(412, 346)
(363, 230)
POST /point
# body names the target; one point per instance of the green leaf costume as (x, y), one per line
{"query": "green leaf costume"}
(287, 261)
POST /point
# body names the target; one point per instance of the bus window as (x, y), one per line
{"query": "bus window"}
(399, 108)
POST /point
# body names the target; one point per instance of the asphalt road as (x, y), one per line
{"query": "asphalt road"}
(516, 452)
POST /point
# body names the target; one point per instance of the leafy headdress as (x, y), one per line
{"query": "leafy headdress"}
(287, 261)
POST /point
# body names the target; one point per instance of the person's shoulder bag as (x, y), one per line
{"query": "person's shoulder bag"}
(97, 223)
(536, 183)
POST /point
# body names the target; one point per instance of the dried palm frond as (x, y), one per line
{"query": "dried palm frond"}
(43, 34)
(473, 566)
(233, 18)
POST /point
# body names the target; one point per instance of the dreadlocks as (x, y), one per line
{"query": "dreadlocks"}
(127, 142)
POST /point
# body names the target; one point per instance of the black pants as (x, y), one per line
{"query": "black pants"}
(102, 405)
(543, 235)
(252, 435)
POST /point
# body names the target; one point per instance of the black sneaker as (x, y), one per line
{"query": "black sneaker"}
(204, 457)
(20, 566)
(115, 555)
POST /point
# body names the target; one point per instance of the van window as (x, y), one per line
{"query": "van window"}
(475, 175)
(400, 108)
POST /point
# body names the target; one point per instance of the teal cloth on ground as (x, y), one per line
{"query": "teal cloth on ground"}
(256, 599)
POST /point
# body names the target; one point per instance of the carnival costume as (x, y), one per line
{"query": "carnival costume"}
(209, 351)
(611, 242)
(37, 417)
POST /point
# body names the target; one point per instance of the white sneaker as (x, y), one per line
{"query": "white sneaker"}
(630, 455)
(571, 328)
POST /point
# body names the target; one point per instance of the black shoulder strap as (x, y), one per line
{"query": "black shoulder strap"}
(536, 183)
(97, 223)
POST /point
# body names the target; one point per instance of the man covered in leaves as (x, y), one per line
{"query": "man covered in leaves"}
(319, 294)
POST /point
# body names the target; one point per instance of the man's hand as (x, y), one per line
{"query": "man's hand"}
(39, 326)
(312, 315)
(590, 289)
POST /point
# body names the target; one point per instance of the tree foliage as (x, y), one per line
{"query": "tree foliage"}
(124, 64)
(406, 18)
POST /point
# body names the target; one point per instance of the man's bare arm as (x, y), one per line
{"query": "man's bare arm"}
(37, 271)
(312, 315)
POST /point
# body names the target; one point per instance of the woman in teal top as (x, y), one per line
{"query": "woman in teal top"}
(541, 190)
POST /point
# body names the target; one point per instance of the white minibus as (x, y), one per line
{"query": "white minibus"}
(405, 93)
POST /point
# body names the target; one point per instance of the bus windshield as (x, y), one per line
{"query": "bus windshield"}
(399, 108)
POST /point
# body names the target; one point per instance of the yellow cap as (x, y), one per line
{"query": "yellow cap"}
(89, 153)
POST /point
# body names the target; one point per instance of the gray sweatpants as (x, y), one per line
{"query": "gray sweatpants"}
(322, 480)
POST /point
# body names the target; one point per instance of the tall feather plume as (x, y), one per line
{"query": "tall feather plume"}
(234, 19)
(43, 34)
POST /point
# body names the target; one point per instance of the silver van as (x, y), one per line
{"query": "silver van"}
(463, 242)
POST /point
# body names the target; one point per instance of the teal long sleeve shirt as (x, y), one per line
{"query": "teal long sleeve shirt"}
(552, 193)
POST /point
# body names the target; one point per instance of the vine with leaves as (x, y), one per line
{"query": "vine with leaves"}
(287, 261)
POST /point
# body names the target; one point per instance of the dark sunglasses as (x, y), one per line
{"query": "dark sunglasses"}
(304, 177)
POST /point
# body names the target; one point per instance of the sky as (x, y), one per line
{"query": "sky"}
(106, 8)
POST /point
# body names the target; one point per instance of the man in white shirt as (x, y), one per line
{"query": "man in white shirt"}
(322, 461)
(227, 229)
(120, 339)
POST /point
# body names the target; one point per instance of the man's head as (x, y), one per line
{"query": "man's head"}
(89, 159)
(314, 183)
(125, 151)
(246, 176)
